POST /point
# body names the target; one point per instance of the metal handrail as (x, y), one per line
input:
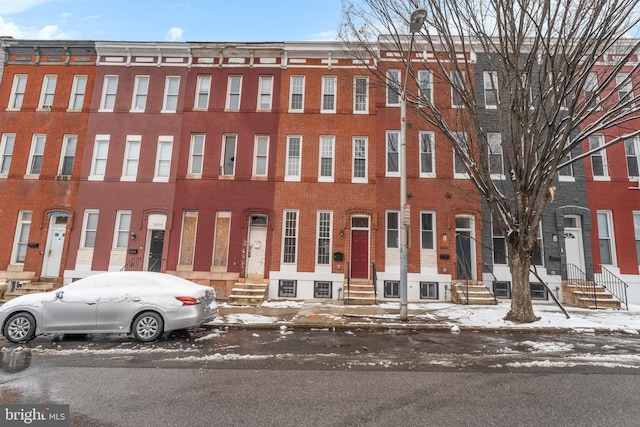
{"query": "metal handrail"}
(374, 277)
(348, 299)
(495, 279)
(612, 283)
(132, 265)
(578, 278)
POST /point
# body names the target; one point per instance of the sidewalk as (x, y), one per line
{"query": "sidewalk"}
(425, 316)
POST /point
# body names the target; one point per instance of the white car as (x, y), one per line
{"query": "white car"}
(143, 304)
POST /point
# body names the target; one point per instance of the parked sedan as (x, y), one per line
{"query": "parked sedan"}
(143, 304)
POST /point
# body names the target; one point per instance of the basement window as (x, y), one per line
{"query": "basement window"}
(322, 289)
(391, 289)
(538, 291)
(502, 290)
(287, 288)
(428, 290)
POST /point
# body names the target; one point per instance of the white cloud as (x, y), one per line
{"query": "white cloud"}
(8, 7)
(52, 32)
(48, 32)
(324, 36)
(10, 29)
(174, 34)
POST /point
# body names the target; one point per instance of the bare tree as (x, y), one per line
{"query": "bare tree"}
(559, 71)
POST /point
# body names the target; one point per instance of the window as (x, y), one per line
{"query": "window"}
(425, 80)
(633, 157)
(636, 229)
(196, 154)
(6, 152)
(89, 229)
(590, 87)
(203, 88)
(260, 155)
(68, 154)
(21, 239)
(294, 150)
(287, 288)
(123, 225)
(78, 90)
(605, 237)
(490, 79)
(109, 90)
(233, 92)
(140, 92)
(458, 162)
(427, 230)
(131, 158)
(499, 244)
(328, 94)
(325, 166)
(99, 160)
(625, 91)
(359, 159)
(537, 255)
(393, 88)
(171, 90)
(188, 237)
(17, 92)
(502, 290)
(538, 291)
(324, 238)
(322, 289)
(290, 233)
(393, 154)
(265, 91)
(228, 158)
(496, 162)
(427, 161)
(221, 239)
(393, 229)
(458, 86)
(360, 94)
(48, 91)
(163, 159)
(296, 101)
(428, 290)
(391, 289)
(565, 173)
(599, 158)
(36, 155)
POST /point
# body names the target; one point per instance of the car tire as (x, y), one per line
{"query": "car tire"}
(20, 327)
(147, 326)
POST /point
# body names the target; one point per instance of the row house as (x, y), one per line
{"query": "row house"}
(46, 94)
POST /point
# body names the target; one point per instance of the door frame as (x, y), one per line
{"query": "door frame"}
(368, 231)
(50, 237)
(472, 246)
(578, 232)
(253, 227)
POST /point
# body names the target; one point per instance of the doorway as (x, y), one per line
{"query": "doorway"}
(360, 247)
(573, 245)
(156, 246)
(465, 250)
(256, 246)
(55, 246)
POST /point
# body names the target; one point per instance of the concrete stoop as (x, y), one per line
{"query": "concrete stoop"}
(595, 296)
(25, 288)
(359, 293)
(248, 293)
(471, 293)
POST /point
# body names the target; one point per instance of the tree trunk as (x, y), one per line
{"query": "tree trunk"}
(521, 307)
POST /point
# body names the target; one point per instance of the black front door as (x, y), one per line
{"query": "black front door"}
(155, 250)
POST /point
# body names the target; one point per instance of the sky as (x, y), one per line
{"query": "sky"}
(162, 20)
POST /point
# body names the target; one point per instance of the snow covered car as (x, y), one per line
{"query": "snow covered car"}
(143, 304)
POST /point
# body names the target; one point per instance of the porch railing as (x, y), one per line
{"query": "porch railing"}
(374, 279)
(578, 278)
(612, 283)
(134, 264)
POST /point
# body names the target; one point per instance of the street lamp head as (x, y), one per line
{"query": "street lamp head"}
(417, 20)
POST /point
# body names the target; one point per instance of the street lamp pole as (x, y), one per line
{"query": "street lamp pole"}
(417, 21)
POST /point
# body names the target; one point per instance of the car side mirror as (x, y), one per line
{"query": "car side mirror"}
(59, 294)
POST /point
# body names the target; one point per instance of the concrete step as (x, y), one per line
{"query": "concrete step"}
(248, 293)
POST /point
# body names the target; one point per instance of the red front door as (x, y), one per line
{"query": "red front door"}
(360, 254)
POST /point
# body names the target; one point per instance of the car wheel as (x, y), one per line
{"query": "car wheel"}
(147, 327)
(21, 327)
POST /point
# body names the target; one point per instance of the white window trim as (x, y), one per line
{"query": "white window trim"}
(490, 83)
(636, 145)
(304, 81)
(116, 230)
(65, 143)
(136, 88)
(297, 177)
(453, 92)
(386, 154)
(131, 139)
(44, 93)
(386, 228)
(190, 172)
(188, 214)
(330, 178)
(460, 175)
(431, 174)
(325, 80)
(327, 265)
(103, 98)
(602, 153)
(366, 109)
(14, 93)
(389, 88)
(262, 79)
(365, 179)
(16, 239)
(199, 80)
(75, 92)
(163, 140)
(223, 152)
(284, 235)
(254, 172)
(32, 152)
(166, 95)
(421, 72)
(98, 141)
(83, 235)
(433, 237)
(612, 236)
(228, 100)
(495, 175)
(3, 148)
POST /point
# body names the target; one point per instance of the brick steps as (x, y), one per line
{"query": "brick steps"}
(575, 296)
(471, 293)
(359, 293)
(247, 293)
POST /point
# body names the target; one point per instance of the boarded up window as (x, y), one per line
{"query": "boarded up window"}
(221, 244)
(188, 243)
